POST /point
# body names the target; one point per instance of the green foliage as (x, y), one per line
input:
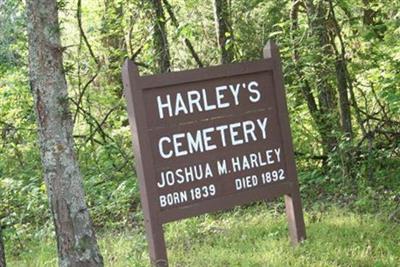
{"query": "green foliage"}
(12, 36)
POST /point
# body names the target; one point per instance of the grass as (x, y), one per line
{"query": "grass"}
(250, 237)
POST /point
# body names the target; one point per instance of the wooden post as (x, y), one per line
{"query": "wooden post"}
(2, 251)
(295, 218)
(154, 230)
(294, 211)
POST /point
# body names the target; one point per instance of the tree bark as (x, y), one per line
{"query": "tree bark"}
(368, 13)
(305, 84)
(160, 40)
(326, 93)
(344, 103)
(342, 79)
(224, 30)
(2, 251)
(76, 240)
(113, 39)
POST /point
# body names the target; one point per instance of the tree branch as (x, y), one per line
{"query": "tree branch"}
(186, 40)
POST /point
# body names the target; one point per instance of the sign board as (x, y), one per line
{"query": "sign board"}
(210, 139)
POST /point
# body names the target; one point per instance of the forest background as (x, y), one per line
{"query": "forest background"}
(341, 65)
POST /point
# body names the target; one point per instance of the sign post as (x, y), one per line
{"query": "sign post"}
(210, 139)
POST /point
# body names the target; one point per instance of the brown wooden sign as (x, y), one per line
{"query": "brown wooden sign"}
(210, 139)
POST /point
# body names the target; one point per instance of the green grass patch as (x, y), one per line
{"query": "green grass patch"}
(250, 237)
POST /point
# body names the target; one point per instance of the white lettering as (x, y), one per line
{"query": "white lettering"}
(160, 147)
(256, 97)
(180, 105)
(207, 139)
(161, 106)
(235, 92)
(220, 96)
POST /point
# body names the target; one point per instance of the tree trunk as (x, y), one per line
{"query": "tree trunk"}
(76, 240)
(160, 40)
(344, 103)
(2, 251)
(343, 82)
(113, 39)
(305, 86)
(326, 93)
(224, 30)
(368, 13)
